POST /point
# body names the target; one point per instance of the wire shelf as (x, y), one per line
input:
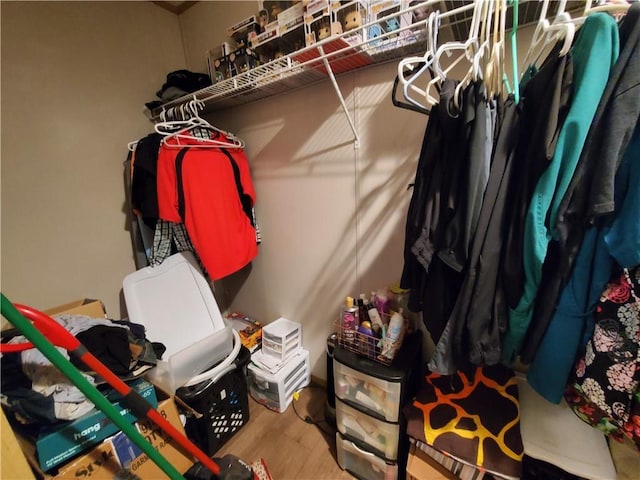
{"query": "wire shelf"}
(305, 67)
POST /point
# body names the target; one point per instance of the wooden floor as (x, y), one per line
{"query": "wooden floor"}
(291, 448)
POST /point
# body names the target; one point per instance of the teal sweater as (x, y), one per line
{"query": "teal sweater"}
(594, 53)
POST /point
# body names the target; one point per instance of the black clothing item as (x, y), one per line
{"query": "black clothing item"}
(590, 193)
(185, 80)
(474, 328)
(545, 103)
(453, 249)
(435, 195)
(110, 345)
(486, 317)
(424, 208)
(144, 194)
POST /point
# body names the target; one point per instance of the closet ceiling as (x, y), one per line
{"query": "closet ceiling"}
(175, 7)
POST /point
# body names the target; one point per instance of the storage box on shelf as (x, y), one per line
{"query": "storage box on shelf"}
(275, 390)
(319, 23)
(242, 60)
(353, 16)
(218, 67)
(389, 20)
(292, 39)
(266, 44)
(290, 18)
(372, 441)
(244, 30)
(282, 338)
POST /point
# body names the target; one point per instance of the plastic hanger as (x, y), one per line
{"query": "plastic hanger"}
(514, 54)
(467, 49)
(407, 73)
(547, 33)
(479, 42)
(495, 65)
(194, 130)
(610, 7)
(406, 106)
(616, 9)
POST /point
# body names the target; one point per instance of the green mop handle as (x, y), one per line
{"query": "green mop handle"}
(66, 367)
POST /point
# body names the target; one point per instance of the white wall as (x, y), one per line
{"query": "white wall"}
(75, 77)
(332, 217)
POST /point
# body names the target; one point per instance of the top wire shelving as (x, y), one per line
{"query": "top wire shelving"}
(339, 54)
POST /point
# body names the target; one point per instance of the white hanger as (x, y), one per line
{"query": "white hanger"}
(478, 42)
(547, 33)
(410, 63)
(468, 49)
(190, 128)
(495, 65)
(611, 7)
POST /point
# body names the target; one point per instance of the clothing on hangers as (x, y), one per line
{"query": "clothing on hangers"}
(210, 190)
(603, 247)
(545, 101)
(594, 55)
(589, 196)
(474, 329)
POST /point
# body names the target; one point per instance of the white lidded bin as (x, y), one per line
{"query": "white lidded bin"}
(281, 338)
(175, 304)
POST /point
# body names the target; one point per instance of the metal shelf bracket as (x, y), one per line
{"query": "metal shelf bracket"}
(327, 66)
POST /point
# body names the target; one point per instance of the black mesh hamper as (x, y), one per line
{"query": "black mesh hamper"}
(224, 406)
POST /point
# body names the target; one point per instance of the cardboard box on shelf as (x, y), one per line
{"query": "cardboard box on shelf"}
(244, 30)
(290, 18)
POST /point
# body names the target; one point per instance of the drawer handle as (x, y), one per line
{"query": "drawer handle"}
(369, 454)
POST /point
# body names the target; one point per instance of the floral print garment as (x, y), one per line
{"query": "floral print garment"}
(605, 390)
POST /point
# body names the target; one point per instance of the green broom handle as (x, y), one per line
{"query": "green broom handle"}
(67, 368)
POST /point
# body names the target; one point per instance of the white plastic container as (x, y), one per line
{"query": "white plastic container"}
(282, 338)
(381, 436)
(373, 394)
(275, 391)
(176, 305)
(361, 463)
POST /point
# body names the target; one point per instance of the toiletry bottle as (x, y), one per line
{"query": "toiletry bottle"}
(393, 338)
(375, 319)
(362, 309)
(349, 321)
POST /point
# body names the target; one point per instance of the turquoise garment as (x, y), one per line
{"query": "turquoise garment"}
(615, 242)
(594, 53)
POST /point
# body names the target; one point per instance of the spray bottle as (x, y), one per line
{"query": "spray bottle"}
(349, 321)
(393, 338)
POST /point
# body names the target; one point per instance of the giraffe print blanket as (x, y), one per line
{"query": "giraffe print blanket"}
(473, 416)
